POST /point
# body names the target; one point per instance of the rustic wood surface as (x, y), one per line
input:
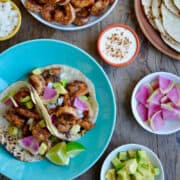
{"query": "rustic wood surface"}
(123, 81)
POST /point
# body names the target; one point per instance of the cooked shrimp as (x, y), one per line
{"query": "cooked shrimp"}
(48, 11)
(67, 100)
(14, 119)
(38, 83)
(82, 3)
(87, 125)
(27, 113)
(33, 5)
(66, 110)
(77, 88)
(63, 2)
(42, 134)
(82, 17)
(64, 14)
(99, 7)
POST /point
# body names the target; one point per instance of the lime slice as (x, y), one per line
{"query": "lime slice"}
(57, 154)
(74, 148)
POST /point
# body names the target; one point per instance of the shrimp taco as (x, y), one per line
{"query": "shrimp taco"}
(23, 130)
(67, 99)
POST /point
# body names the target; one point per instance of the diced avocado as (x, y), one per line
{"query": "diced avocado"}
(64, 82)
(25, 99)
(123, 175)
(132, 154)
(42, 149)
(85, 98)
(42, 124)
(131, 166)
(155, 171)
(123, 156)
(13, 131)
(29, 105)
(141, 155)
(137, 176)
(60, 88)
(117, 163)
(110, 174)
(37, 71)
(145, 173)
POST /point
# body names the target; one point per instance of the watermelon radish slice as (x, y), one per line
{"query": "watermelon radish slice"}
(155, 84)
(174, 95)
(165, 84)
(157, 122)
(143, 111)
(152, 109)
(165, 100)
(170, 111)
(143, 94)
(155, 97)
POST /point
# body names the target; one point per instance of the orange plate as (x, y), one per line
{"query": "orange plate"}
(137, 42)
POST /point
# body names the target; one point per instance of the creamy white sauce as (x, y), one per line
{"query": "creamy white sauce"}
(118, 45)
(8, 19)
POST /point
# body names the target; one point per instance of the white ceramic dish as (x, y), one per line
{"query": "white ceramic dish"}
(93, 20)
(171, 126)
(151, 155)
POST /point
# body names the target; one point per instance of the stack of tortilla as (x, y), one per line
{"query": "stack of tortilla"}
(164, 16)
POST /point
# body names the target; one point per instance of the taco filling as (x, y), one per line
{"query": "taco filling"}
(25, 125)
(68, 98)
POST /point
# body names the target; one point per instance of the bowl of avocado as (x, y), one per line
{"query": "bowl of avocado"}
(132, 162)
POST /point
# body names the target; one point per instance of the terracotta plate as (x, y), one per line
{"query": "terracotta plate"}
(152, 35)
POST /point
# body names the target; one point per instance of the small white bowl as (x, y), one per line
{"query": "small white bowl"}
(171, 126)
(151, 155)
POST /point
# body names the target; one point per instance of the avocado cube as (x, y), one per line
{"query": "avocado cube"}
(117, 163)
(155, 171)
(123, 175)
(123, 156)
(131, 166)
(110, 174)
(137, 176)
(145, 164)
(145, 173)
(132, 154)
(141, 155)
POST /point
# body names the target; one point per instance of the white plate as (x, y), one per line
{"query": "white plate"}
(171, 126)
(151, 155)
(93, 20)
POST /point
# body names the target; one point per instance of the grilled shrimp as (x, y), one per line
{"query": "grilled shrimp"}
(66, 110)
(50, 75)
(67, 100)
(77, 88)
(82, 17)
(27, 113)
(82, 3)
(48, 11)
(64, 14)
(42, 134)
(38, 83)
(33, 5)
(99, 7)
(87, 125)
(14, 119)
(22, 93)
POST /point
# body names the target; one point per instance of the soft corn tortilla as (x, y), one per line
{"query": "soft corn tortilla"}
(9, 142)
(171, 7)
(69, 74)
(171, 23)
(147, 6)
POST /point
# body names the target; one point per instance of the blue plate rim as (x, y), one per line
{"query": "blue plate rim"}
(105, 75)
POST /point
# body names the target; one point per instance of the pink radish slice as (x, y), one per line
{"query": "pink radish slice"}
(79, 104)
(155, 97)
(8, 102)
(155, 84)
(165, 100)
(143, 111)
(143, 94)
(49, 93)
(152, 109)
(170, 111)
(165, 84)
(174, 95)
(157, 122)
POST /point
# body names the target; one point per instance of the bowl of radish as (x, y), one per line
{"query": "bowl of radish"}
(155, 103)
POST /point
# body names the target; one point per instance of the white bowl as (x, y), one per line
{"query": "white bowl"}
(151, 155)
(171, 126)
(93, 20)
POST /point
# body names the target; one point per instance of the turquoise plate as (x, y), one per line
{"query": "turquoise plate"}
(15, 63)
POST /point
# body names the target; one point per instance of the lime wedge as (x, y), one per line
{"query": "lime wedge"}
(57, 154)
(74, 148)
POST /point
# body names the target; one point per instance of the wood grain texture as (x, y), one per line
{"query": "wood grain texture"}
(123, 81)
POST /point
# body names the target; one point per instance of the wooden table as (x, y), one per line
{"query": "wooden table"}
(123, 81)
